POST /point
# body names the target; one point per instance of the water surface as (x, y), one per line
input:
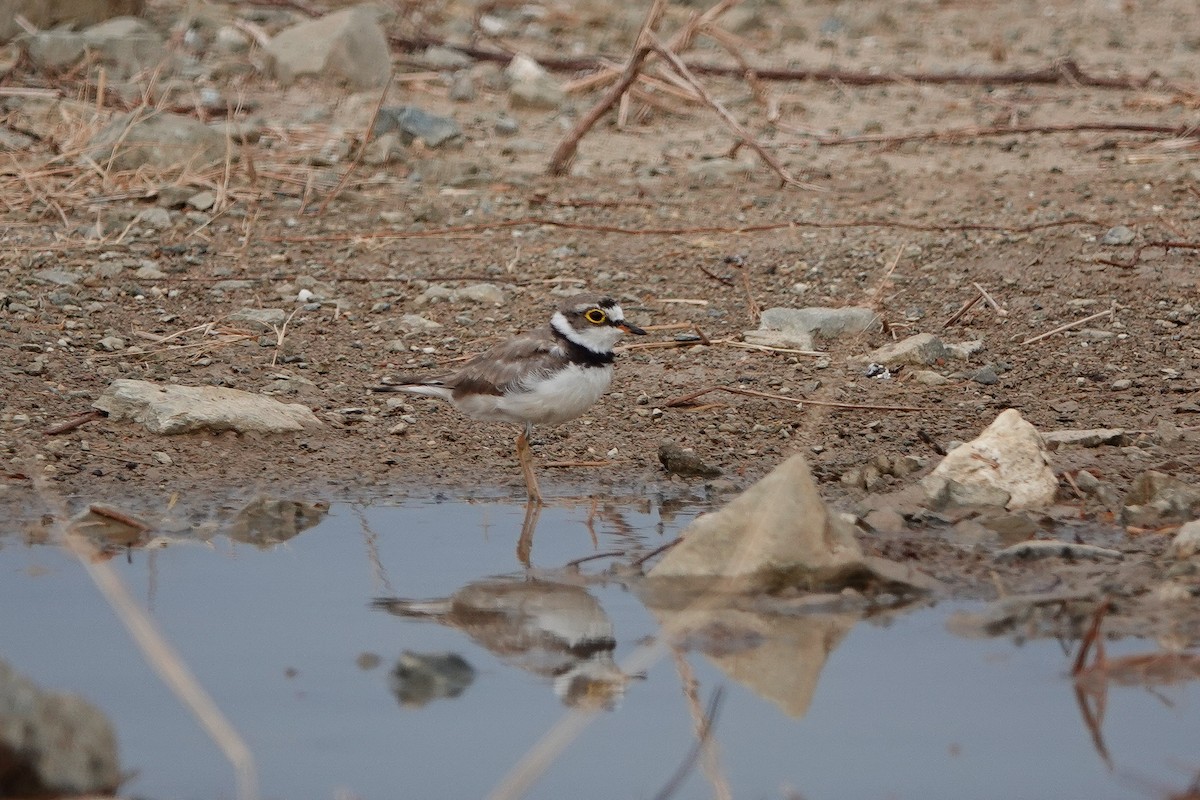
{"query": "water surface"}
(285, 636)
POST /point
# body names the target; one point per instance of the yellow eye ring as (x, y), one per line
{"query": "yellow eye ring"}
(596, 316)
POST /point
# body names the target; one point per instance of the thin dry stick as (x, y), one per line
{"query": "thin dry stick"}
(159, 654)
(990, 300)
(975, 132)
(703, 721)
(521, 222)
(967, 306)
(1137, 254)
(688, 398)
(73, 423)
(358, 156)
(1105, 313)
(564, 154)
(677, 64)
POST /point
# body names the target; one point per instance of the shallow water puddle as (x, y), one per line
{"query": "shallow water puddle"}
(290, 641)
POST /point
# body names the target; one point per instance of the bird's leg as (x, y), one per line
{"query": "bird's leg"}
(525, 456)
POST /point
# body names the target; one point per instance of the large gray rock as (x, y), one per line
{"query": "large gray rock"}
(778, 528)
(173, 409)
(1008, 458)
(45, 14)
(163, 141)
(124, 45)
(347, 46)
(796, 327)
(52, 744)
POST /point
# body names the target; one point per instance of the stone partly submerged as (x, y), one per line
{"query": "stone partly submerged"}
(51, 744)
(757, 586)
(170, 409)
(1006, 465)
(776, 535)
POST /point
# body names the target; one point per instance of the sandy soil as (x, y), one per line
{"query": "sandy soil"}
(908, 228)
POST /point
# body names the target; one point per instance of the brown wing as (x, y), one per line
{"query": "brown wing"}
(503, 368)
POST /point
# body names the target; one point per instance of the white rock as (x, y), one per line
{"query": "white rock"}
(1186, 542)
(1009, 456)
(531, 86)
(170, 409)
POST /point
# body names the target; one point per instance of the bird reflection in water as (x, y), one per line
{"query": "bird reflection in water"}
(550, 629)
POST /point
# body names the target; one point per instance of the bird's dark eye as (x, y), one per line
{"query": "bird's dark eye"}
(596, 316)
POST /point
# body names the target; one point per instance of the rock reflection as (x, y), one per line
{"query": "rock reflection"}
(266, 522)
(779, 657)
(550, 629)
(420, 678)
(113, 528)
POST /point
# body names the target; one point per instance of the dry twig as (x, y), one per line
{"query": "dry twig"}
(688, 398)
(1108, 312)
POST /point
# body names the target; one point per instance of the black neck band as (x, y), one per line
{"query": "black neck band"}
(582, 355)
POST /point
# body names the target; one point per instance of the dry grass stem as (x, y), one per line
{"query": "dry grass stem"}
(991, 301)
(1108, 312)
(362, 149)
(564, 154)
(158, 653)
(730, 121)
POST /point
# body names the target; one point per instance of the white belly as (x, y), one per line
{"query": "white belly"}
(565, 396)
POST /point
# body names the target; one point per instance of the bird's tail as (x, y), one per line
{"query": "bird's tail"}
(428, 388)
(437, 607)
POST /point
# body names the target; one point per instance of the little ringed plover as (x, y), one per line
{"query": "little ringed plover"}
(543, 377)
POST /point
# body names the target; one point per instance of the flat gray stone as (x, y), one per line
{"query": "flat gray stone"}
(1094, 437)
(413, 123)
(1036, 550)
(264, 318)
(1118, 235)
(160, 140)
(171, 409)
(921, 350)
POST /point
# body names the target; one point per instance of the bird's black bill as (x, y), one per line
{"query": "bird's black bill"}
(630, 328)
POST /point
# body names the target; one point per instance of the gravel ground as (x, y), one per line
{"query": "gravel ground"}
(655, 217)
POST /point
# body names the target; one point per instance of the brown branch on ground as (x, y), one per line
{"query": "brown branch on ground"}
(687, 399)
(1059, 72)
(362, 149)
(456, 230)
(1137, 254)
(637, 562)
(730, 121)
(564, 154)
(973, 132)
(74, 422)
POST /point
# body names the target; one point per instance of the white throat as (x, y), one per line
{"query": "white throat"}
(597, 338)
